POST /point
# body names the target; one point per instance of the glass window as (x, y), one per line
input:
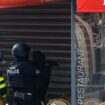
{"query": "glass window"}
(90, 58)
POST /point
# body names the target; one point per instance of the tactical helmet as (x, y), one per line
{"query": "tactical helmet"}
(21, 50)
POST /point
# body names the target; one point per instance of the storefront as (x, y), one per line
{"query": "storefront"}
(88, 62)
(45, 27)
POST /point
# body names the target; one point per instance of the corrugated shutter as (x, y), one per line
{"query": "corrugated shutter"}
(45, 28)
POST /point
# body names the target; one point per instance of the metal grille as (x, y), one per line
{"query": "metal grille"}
(45, 27)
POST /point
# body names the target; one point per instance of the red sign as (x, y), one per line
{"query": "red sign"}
(90, 5)
(19, 3)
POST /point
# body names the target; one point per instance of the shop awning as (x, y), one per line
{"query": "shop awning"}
(90, 5)
(21, 3)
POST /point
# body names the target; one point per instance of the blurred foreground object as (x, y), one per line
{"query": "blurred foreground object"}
(58, 102)
(103, 103)
(91, 102)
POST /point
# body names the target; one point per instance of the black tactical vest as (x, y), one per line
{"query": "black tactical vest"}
(15, 76)
(21, 76)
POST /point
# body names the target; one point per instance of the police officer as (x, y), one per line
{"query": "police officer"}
(43, 72)
(39, 61)
(3, 85)
(21, 75)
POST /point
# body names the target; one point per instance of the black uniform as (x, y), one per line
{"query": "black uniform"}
(43, 72)
(21, 75)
